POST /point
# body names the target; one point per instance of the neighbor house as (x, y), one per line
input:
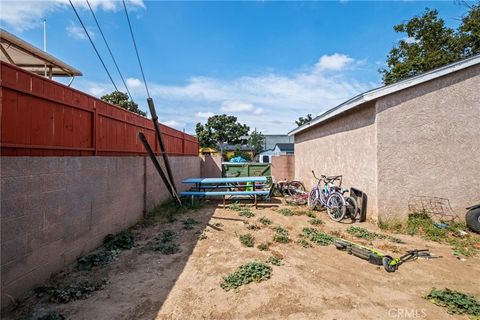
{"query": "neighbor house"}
(417, 137)
(278, 150)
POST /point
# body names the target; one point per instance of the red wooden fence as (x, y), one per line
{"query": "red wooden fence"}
(40, 117)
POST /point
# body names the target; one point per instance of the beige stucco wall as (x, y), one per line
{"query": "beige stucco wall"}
(345, 145)
(429, 143)
(422, 141)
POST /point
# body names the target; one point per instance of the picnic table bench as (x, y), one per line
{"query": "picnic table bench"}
(237, 186)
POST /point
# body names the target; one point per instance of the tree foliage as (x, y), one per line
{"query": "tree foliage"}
(121, 99)
(430, 44)
(256, 141)
(220, 129)
(302, 120)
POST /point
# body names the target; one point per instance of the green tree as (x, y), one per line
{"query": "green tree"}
(256, 141)
(301, 121)
(429, 44)
(220, 129)
(121, 99)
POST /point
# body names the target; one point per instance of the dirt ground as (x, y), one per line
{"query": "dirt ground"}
(314, 283)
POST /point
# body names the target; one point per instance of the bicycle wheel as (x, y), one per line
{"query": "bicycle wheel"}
(336, 207)
(313, 199)
(352, 208)
(295, 187)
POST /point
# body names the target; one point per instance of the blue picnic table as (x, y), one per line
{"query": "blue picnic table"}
(237, 186)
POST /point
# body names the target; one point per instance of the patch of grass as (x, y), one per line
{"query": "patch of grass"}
(250, 272)
(285, 212)
(190, 223)
(390, 225)
(253, 227)
(74, 291)
(247, 240)
(281, 235)
(263, 246)
(165, 243)
(275, 261)
(363, 233)
(456, 302)
(265, 221)
(246, 212)
(318, 237)
(304, 243)
(315, 221)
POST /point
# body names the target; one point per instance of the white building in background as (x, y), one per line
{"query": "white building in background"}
(278, 150)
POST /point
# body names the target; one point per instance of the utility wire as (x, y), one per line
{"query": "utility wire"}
(95, 48)
(110, 51)
(136, 49)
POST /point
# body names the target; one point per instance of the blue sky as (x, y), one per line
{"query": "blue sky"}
(265, 62)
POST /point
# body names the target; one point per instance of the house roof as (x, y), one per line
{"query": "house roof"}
(386, 90)
(22, 54)
(288, 147)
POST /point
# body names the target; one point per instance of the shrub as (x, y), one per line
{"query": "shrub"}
(250, 272)
(165, 243)
(263, 246)
(74, 291)
(253, 227)
(247, 240)
(121, 241)
(247, 213)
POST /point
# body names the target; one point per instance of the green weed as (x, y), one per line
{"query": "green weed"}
(247, 240)
(52, 315)
(363, 233)
(315, 221)
(165, 243)
(275, 261)
(285, 212)
(263, 246)
(250, 272)
(304, 243)
(74, 291)
(281, 235)
(318, 237)
(265, 221)
(253, 227)
(246, 212)
(456, 302)
(190, 223)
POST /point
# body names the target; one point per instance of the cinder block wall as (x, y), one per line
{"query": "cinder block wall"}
(283, 167)
(56, 209)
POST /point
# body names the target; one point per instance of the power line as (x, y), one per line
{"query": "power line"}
(110, 51)
(95, 48)
(136, 49)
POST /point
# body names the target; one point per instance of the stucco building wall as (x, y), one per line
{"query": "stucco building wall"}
(343, 146)
(424, 141)
(429, 143)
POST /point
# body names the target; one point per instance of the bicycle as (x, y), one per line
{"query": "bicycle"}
(331, 196)
(289, 187)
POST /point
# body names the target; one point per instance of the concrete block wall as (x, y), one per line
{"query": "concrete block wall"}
(283, 167)
(56, 209)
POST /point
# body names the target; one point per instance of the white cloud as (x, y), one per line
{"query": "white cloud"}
(134, 83)
(204, 115)
(335, 62)
(283, 97)
(77, 32)
(23, 15)
(236, 106)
